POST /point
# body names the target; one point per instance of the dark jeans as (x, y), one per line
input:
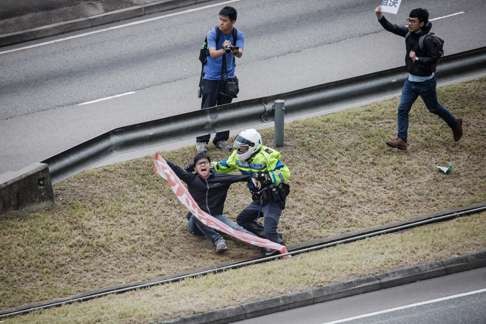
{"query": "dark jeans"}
(427, 91)
(270, 212)
(210, 98)
(194, 226)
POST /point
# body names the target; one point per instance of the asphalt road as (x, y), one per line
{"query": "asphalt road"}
(453, 299)
(46, 91)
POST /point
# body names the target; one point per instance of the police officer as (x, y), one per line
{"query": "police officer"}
(268, 184)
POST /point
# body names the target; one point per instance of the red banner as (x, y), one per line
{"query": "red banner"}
(163, 169)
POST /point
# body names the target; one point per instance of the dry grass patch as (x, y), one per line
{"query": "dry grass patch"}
(279, 278)
(121, 223)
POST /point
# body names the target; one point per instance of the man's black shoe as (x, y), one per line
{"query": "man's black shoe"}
(457, 131)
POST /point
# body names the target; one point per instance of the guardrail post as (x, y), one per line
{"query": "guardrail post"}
(279, 110)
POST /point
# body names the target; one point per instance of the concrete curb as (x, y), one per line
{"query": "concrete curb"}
(88, 22)
(339, 290)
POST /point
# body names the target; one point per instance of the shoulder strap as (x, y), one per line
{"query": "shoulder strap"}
(422, 39)
(224, 69)
(235, 35)
(218, 35)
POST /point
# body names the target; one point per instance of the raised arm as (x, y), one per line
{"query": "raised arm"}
(181, 173)
(393, 28)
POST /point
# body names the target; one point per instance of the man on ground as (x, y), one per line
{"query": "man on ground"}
(209, 190)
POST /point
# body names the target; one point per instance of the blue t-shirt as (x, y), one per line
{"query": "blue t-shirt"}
(212, 69)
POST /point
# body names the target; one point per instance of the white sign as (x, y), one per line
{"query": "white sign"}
(390, 6)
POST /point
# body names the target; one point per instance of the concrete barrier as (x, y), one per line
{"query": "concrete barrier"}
(25, 188)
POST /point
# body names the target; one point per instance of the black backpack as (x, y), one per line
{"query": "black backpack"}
(204, 52)
(437, 44)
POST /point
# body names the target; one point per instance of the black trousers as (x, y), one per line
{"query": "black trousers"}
(210, 98)
(270, 211)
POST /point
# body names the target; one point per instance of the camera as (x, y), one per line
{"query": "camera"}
(230, 48)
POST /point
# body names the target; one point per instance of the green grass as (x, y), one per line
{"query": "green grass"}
(122, 223)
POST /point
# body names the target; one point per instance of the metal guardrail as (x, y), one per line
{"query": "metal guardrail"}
(253, 110)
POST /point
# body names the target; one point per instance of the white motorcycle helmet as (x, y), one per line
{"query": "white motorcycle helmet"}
(247, 143)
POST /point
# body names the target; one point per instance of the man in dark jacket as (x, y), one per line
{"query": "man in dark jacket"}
(209, 190)
(421, 62)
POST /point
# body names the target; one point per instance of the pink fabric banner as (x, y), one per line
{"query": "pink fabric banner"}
(162, 169)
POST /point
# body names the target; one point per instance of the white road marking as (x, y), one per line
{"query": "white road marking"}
(134, 23)
(447, 16)
(407, 306)
(107, 98)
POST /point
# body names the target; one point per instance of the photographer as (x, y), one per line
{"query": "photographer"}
(219, 84)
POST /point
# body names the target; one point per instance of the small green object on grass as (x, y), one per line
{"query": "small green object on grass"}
(445, 169)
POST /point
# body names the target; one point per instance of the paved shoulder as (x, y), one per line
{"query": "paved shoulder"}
(22, 21)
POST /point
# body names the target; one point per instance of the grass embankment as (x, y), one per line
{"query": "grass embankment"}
(372, 256)
(121, 223)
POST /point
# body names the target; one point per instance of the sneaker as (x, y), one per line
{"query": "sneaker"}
(398, 143)
(220, 246)
(223, 145)
(457, 131)
(201, 147)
